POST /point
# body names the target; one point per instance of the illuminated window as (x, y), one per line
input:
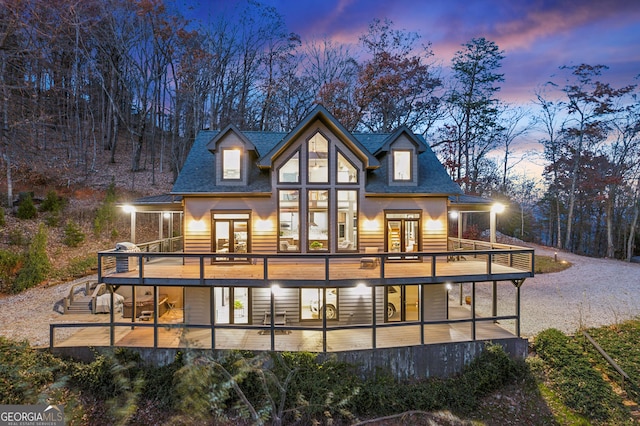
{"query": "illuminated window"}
(347, 173)
(289, 216)
(402, 165)
(231, 164)
(318, 159)
(347, 220)
(318, 225)
(290, 171)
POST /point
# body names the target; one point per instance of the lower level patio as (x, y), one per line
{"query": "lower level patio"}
(171, 332)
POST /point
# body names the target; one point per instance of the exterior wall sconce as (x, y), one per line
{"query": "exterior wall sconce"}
(453, 214)
(196, 226)
(370, 225)
(434, 225)
(264, 225)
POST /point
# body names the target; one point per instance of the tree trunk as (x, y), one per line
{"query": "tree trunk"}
(632, 230)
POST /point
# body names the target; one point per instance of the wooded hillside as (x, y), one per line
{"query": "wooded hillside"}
(87, 84)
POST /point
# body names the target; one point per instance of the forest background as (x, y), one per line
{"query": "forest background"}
(88, 83)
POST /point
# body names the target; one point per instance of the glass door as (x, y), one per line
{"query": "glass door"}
(232, 305)
(403, 230)
(230, 235)
(403, 303)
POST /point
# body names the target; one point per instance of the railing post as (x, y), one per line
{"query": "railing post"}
(273, 325)
(374, 320)
(324, 318)
(473, 311)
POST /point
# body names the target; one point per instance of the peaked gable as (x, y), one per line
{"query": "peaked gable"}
(320, 113)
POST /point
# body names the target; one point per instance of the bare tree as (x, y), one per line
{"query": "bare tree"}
(589, 104)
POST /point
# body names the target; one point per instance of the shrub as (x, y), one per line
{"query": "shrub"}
(25, 373)
(73, 235)
(53, 203)
(17, 238)
(3, 220)
(10, 264)
(36, 265)
(106, 214)
(26, 209)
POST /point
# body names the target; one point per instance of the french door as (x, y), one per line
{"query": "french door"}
(403, 231)
(230, 235)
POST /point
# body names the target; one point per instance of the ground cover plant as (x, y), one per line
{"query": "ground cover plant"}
(576, 382)
(620, 342)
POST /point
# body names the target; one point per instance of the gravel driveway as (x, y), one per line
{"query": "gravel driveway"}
(592, 292)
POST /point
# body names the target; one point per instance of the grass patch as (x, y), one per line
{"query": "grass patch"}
(548, 264)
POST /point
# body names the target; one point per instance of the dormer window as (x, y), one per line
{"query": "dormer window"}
(402, 167)
(231, 164)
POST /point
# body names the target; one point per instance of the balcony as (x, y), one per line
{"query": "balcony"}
(467, 267)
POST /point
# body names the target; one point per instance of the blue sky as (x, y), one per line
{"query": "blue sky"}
(537, 36)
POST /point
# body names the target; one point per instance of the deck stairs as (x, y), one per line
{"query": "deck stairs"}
(80, 298)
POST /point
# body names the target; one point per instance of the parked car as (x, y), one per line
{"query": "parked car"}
(393, 303)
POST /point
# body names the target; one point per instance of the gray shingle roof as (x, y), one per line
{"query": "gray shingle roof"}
(198, 173)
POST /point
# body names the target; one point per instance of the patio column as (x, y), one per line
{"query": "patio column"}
(495, 209)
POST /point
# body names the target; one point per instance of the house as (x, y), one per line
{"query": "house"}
(318, 240)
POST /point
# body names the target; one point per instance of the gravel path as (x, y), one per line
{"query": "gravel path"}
(592, 292)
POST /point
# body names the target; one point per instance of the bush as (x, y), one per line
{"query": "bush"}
(53, 203)
(27, 210)
(36, 265)
(17, 238)
(106, 214)
(25, 373)
(73, 235)
(3, 220)
(10, 264)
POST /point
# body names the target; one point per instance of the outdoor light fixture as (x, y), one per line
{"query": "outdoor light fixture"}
(196, 226)
(362, 289)
(453, 214)
(449, 287)
(497, 208)
(128, 208)
(370, 225)
(276, 290)
(264, 225)
(434, 225)
(166, 215)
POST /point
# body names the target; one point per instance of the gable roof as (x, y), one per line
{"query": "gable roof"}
(197, 176)
(320, 113)
(213, 143)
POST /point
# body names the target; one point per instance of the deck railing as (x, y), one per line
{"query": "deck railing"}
(466, 261)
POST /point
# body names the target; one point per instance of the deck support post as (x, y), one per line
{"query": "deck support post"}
(494, 299)
(374, 319)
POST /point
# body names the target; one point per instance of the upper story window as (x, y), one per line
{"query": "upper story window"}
(318, 159)
(402, 167)
(231, 164)
(290, 171)
(347, 173)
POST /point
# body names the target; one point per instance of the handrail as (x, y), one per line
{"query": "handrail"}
(519, 261)
(606, 356)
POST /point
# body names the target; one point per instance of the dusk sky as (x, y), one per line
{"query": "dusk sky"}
(537, 36)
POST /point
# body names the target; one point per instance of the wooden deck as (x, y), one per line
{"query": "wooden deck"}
(173, 334)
